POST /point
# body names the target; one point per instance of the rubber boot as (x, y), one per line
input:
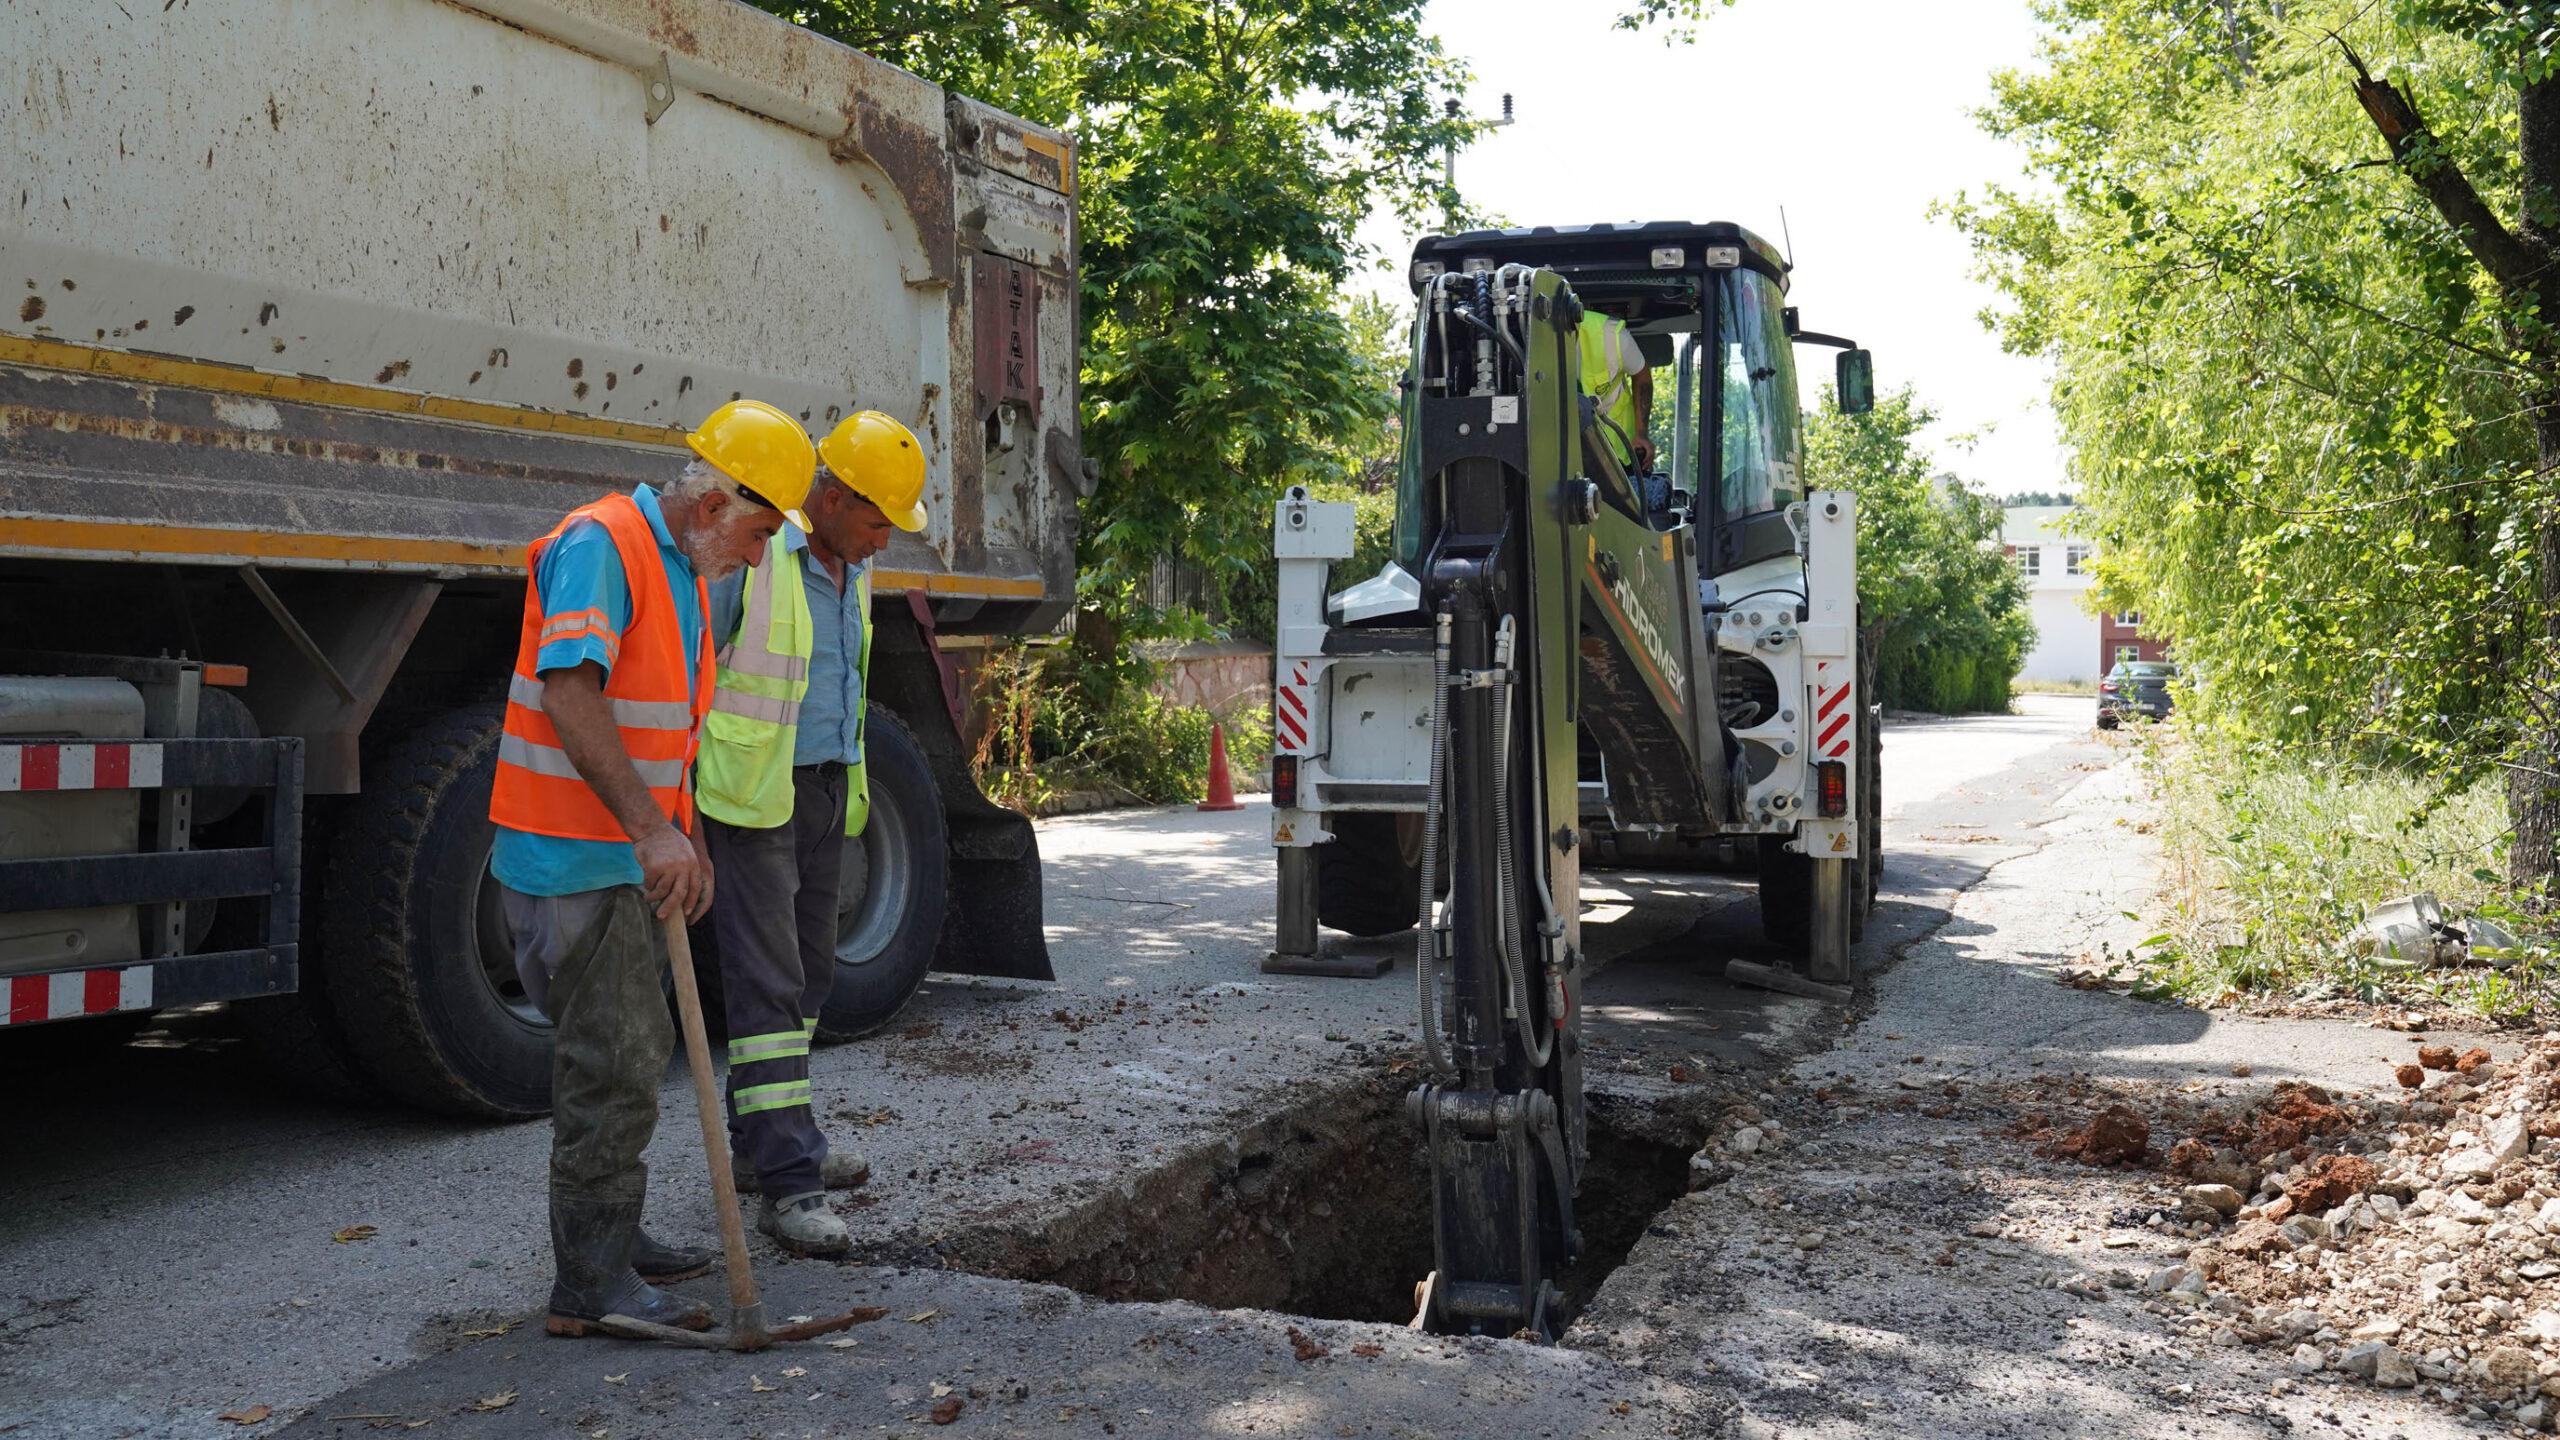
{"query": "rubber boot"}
(662, 1264)
(591, 1244)
(803, 1225)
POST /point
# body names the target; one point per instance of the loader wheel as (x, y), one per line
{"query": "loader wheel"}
(421, 969)
(1364, 884)
(893, 889)
(1868, 882)
(1786, 895)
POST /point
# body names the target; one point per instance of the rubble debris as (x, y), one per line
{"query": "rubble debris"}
(2117, 1135)
(2409, 1243)
(2418, 932)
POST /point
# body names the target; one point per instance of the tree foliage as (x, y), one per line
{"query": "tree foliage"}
(2301, 398)
(1227, 150)
(1942, 606)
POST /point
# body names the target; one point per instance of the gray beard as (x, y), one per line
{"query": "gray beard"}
(709, 554)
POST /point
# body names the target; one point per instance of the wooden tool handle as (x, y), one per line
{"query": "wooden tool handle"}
(715, 1136)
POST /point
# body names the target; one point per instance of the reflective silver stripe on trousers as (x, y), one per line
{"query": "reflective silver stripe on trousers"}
(632, 714)
(756, 707)
(553, 761)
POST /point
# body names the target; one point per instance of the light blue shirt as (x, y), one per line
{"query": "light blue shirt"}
(831, 714)
(581, 571)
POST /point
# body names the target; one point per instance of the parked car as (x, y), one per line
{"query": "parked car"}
(2135, 687)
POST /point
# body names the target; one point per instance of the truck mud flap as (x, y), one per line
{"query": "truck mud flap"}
(993, 923)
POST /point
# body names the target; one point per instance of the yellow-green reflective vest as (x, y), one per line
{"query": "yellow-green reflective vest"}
(743, 777)
(1617, 398)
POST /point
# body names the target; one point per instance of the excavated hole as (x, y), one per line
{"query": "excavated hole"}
(1322, 1211)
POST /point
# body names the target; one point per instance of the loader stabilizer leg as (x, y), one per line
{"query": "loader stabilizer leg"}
(1827, 948)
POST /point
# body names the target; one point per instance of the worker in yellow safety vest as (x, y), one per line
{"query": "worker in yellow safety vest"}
(781, 783)
(1614, 374)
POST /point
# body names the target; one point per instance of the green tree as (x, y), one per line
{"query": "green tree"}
(1942, 608)
(1227, 151)
(2301, 358)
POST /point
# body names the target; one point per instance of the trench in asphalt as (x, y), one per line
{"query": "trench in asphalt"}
(1323, 1211)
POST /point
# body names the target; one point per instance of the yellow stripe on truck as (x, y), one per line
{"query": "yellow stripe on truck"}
(113, 540)
(205, 375)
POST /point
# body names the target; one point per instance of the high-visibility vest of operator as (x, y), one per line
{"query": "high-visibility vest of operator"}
(596, 826)
(1614, 374)
(781, 783)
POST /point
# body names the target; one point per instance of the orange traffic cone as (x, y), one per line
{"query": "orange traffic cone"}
(1222, 786)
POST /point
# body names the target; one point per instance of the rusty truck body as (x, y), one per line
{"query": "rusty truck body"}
(318, 311)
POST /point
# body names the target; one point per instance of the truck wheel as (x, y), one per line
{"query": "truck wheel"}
(1363, 882)
(422, 971)
(893, 888)
(1786, 895)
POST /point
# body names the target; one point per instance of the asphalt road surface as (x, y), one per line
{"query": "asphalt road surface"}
(1163, 1121)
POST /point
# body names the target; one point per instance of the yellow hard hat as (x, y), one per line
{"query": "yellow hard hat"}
(762, 449)
(879, 460)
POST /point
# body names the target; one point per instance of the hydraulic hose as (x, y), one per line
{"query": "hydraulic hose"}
(1426, 934)
(1539, 1047)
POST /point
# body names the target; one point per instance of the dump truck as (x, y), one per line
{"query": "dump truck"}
(318, 313)
(1562, 647)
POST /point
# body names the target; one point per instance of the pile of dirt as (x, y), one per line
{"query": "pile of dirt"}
(2431, 1261)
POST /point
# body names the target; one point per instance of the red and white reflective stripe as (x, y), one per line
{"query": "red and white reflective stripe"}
(1834, 717)
(1290, 715)
(73, 993)
(79, 767)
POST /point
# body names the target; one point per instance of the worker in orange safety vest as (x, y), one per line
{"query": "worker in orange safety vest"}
(596, 826)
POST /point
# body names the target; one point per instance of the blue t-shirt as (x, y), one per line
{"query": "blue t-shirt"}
(582, 571)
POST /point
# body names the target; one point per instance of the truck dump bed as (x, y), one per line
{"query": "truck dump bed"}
(391, 284)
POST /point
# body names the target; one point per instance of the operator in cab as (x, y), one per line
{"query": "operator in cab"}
(1615, 375)
(597, 839)
(782, 784)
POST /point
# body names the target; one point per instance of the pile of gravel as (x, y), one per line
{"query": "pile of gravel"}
(2430, 1260)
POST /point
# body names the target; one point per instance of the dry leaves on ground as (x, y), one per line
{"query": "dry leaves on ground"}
(352, 1234)
(249, 1416)
(499, 1401)
(947, 1411)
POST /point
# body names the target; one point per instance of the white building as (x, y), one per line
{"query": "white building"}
(2057, 571)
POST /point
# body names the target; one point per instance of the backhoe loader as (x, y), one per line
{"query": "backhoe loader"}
(1563, 652)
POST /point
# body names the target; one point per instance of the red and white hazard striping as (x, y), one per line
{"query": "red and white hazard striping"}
(1834, 718)
(74, 993)
(79, 767)
(1289, 717)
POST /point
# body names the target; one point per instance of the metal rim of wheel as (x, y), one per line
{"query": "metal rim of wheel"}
(873, 888)
(494, 952)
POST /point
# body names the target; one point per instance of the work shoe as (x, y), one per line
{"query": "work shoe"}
(804, 1225)
(591, 1245)
(662, 1264)
(839, 1171)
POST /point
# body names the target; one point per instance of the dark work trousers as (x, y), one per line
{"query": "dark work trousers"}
(774, 909)
(594, 961)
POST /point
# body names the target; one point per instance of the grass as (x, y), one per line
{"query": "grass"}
(2273, 860)
(2024, 686)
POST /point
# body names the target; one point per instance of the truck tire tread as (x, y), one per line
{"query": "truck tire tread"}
(370, 918)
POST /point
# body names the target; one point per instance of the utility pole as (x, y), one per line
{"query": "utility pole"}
(1449, 159)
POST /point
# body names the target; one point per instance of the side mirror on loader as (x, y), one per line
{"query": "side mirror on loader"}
(1855, 385)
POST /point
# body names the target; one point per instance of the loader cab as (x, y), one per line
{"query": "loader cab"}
(1707, 302)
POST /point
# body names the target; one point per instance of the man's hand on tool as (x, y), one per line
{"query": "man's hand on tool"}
(673, 874)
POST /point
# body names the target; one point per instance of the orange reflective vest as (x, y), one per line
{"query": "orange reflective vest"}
(538, 791)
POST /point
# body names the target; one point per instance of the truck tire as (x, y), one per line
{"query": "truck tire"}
(1364, 884)
(894, 888)
(295, 1037)
(421, 969)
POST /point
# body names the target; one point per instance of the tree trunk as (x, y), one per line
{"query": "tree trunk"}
(2533, 787)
